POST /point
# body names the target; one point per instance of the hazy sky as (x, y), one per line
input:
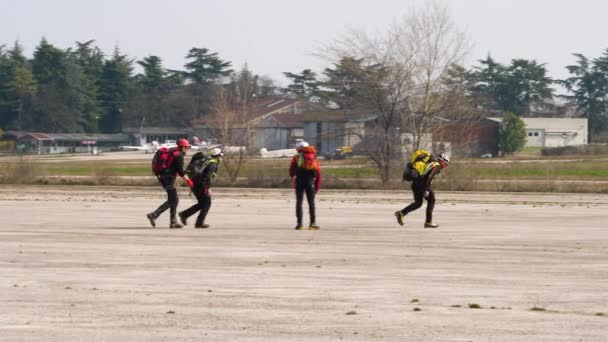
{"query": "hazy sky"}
(273, 36)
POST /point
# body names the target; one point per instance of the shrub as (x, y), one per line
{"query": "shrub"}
(575, 150)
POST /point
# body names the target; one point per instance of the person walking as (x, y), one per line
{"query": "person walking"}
(202, 170)
(305, 174)
(167, 164)
(426, 169)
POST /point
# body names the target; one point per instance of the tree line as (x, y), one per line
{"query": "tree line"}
(399, 74)
(80, 89)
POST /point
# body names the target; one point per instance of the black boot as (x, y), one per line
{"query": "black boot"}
(183, 218)
(152, 219)
(174, 223)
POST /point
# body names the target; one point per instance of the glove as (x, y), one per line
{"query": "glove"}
(426, 194)
(190, 182)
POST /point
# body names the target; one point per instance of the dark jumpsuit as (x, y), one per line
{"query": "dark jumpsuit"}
(203, 196)
(419, 187)
(306, 181)
(167, 180)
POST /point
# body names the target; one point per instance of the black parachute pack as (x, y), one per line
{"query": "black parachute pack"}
(197, 166)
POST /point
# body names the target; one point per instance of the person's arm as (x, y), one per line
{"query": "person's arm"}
(318, 177)
(292, 167)
(434, 171)
(210, 172)
(179, 169)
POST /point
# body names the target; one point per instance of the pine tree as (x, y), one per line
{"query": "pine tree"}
(304, 84)
(114, 86)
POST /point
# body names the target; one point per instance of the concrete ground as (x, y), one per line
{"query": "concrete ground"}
(82, 264)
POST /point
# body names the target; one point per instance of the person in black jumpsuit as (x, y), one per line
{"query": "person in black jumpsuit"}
(167, 180)
(421, 188)
(202, 192)
(305, 181)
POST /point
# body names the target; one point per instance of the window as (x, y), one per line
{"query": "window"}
(529, 134)
(535, 134)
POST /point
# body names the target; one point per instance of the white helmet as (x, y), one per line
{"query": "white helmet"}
(216, 152)
(301, 144)
(445, 158)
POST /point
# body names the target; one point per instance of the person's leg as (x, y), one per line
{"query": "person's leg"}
(204, 201)
(192, 210)
(310, 198)
(418, 200)
(299, 198)
(430, 199)
(173, 202)
(163, 207)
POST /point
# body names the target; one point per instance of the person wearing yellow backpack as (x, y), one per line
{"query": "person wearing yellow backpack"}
(420, 171)
(305, 174)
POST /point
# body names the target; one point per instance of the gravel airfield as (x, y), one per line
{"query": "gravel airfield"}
(83, 264)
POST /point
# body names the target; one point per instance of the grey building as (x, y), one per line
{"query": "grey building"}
(329, 130)
(45, 143)
(279, 131)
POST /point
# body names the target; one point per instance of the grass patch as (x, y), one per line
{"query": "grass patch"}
(537, 308)
(20, 171)
(415, 300)
(356, 173)
(456, 306)
(474, 306)
(351, 312)
(600, 314)
(417, 309)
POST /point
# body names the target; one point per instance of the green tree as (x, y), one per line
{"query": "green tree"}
(512, 133)
(58, 105)
(304, 84)
(528, 85)
(488, 84)
(17, 89)
(517, 88)
(153, 77)
(205, 67)
(114, 86)
(149, 102)
(343, 83)
(49, 65)
(89, 60)
(588, 87)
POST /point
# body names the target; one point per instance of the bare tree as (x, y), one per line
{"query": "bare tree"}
(400, 79)
(229, 124)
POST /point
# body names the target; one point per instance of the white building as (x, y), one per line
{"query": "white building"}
(554, 132)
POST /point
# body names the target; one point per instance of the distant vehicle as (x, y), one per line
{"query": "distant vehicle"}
(151, 147)
(341, 152)
(147, 148)
(199, 144)
(286, 153)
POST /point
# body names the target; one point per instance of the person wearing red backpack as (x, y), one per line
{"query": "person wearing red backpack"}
(305, 174)
(167, 164)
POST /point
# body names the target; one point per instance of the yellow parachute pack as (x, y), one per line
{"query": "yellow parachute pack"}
(420, 160)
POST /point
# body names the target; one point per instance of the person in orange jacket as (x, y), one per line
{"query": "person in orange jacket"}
(305, 174)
